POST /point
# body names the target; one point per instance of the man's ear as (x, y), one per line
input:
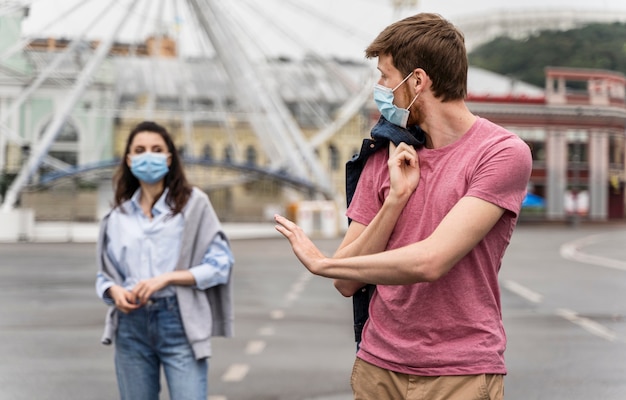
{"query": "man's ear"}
(422, 80)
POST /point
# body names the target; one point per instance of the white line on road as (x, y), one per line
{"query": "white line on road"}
(236, 373)
(277, 314)
(297, 287)
(587, 324)
(267, 331)
(255, 347)
(523, 291)
(571, 251)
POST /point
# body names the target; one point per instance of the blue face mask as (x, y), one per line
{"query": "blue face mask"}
(383, 96)
(149, 167)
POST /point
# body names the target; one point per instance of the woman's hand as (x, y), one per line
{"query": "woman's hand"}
(147, 287)
(404, 170)
(308, 254)
(125, 301)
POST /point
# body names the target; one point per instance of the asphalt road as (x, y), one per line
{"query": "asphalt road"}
(564, 306)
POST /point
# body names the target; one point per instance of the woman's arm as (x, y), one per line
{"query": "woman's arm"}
(147, 287)
(214, 270)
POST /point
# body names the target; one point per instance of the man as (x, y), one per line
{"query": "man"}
(430, 227)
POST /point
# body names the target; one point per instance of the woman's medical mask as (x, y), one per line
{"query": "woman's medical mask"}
(149, 167)
(383, 96)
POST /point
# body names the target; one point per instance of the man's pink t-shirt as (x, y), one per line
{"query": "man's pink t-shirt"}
(452, 326)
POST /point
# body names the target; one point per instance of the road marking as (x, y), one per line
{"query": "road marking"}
(571, 251)
(297, 287)
(523, 292)
(587, 324)
(571, 316)
(291, 297)
(236, 373)
(277, 314)
(255, 347)
(267, 331)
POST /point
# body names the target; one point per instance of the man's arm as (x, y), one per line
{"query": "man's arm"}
(458, 233)
(369, 239)
(345, 287)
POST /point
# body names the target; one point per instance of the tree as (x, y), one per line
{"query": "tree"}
(601, 46)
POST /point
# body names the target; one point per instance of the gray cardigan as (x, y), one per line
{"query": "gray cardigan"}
(204, 313)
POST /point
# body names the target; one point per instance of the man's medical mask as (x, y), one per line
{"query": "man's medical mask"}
(383, 96)
(149, 167)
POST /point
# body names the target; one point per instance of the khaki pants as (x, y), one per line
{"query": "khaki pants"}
(370, 382)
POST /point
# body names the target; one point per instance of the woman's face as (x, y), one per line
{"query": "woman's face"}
(147, 142)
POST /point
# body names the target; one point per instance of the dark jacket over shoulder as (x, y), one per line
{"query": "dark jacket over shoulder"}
(382, 133)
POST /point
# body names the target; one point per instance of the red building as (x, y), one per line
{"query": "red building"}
(576, 130)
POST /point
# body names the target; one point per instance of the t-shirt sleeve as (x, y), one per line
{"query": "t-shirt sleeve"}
(503, 174)
(369, 194)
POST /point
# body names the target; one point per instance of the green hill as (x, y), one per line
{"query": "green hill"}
(600, 46)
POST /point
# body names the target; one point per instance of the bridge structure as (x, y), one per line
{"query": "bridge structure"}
(104, 169)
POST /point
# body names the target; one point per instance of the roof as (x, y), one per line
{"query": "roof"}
(481, 82)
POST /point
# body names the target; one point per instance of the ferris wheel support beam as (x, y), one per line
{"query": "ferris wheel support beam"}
(350, 108)
(51, 132)
(239, 70)
(345, 113)
(269, 116)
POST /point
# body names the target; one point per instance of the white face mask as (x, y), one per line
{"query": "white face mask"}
(383, 96)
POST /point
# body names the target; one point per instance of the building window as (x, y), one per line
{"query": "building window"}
(228, 153)
(207, 152)
(577, 145)
(616, 150)
(251, 155)
(577, 152)
(538, 150)
(333, 154)
(65, 146)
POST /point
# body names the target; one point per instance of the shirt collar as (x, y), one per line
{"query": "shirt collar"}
(159, 207)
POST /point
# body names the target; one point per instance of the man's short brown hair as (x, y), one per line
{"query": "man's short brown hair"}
(430, 42)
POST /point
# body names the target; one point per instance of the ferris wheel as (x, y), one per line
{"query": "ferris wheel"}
(242, 34)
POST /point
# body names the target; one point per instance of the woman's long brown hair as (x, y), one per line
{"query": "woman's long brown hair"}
(125, 183)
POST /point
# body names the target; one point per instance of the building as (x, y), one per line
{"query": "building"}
(575, 129)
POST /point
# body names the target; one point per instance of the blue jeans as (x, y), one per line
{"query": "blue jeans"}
(148, 338)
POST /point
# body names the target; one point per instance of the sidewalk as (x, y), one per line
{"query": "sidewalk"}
(81, 232)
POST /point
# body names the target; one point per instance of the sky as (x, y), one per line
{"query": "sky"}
(339, 28)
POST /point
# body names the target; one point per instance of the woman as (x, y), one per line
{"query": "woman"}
(164, 270)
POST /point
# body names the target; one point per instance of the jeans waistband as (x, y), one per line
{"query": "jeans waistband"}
(162, 302)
